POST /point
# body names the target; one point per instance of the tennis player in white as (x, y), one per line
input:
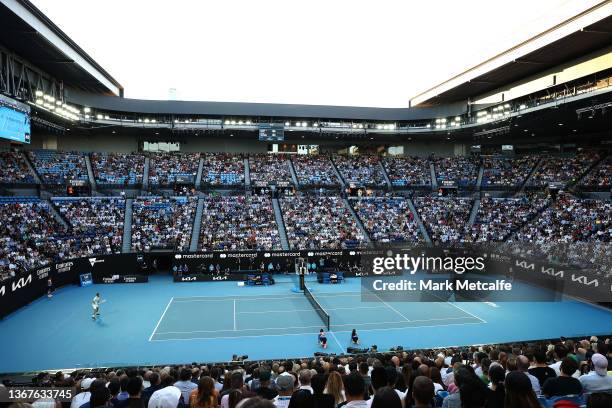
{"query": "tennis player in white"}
(95, 304)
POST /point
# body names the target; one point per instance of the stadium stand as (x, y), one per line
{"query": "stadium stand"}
(223, 169)
(360, 170)
(238, 223)
(315, 170)
(319, 222)
(600, 176)
(117, 168)
(500, 171)
(461, 170)
(162, 223)
(562, 170)
(55, 167)
(408, 171)
(387, 219)
(269, 168)
(14, 169)
(97, 222)
(446, 218)
(167, 169)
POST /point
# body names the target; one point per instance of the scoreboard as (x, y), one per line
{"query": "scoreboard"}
(14, 120)
(271, 132)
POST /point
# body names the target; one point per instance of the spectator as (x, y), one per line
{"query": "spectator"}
(319, 398)
(205, 396)
(134, 389)
(83, 396)
(598, 379)
(335, 387)
(422, 392)
(185, 384)
(284, 384)
(564, 384)
(522, 364)
(497, 375)
(264, 390)
(386, 397)
(540, 370)
(155, 381)
(355, 388)
(519, 391)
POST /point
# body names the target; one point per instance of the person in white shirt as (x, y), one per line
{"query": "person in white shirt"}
(354, 387)
(95, 304)
(597, 380)
(284, 383)
(522, 363)
(84, 396)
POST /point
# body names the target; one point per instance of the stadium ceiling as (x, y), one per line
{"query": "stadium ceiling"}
(580, 35)
(25, 30)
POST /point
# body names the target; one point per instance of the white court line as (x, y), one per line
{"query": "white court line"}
(312, 327)
(161, 318)
(460, 308)
(337, 342)
(391, 307)
(492, 304)
(234, 314)
(314, 334)
(310, 310)
(246, 298)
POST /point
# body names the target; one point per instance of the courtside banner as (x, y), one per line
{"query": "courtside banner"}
(193, 267)
(503, 273)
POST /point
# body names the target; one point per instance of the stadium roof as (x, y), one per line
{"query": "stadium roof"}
(34, 37)
(584, 33)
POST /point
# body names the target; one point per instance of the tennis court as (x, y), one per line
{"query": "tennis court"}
(190, 318)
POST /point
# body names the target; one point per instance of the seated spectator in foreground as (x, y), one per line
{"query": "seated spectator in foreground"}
(422, 392)
(599, 400)
(540, 370)
(522, 364)
(185, 384)
(472, 391)
(386, 397)
(564, 384)
(205, 396)
(598, 379)
(284, 383)
(319, 398)
(497, 375)
(155, 381)
(134, 389)
(264, 390)
(335, 387)
(519, 393)
(354, 387)
(236, 392)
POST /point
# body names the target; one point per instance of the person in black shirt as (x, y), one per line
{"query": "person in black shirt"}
(541, 371)
(564, 384)
(497, 374)
(264, 390)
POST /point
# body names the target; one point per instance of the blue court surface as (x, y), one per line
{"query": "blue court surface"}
(162, 322)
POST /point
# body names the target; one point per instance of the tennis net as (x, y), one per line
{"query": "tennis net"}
(317, 307)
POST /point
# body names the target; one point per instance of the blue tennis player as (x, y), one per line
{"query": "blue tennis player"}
(322, 338)
(354, 337)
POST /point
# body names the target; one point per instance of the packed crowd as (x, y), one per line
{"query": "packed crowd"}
(169, 168)
(564, 170)
(507, 172)
(162, 223)
(319, 222)
(97, 222)
(314, 170)
(267, 168)
(238, 222)
(387, 219)
(24, 235)
(601, 175)
(14, 169)
(360, 170)
(445, 218)
(460, 170)
(563, 373)
(497, 218)
(408, 171)
(222, 169)
(117, 168)
(571, 230)
(56, 167)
